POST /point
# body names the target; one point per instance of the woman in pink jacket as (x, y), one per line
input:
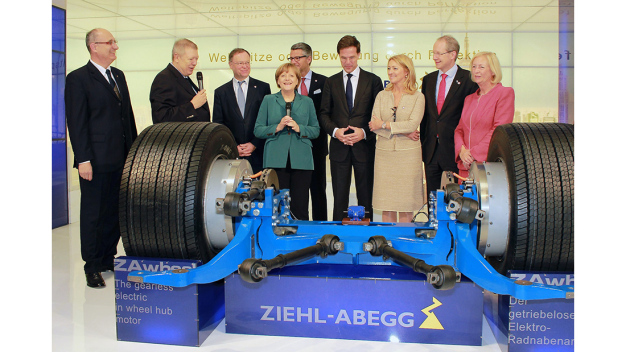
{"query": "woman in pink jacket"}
(490, 106)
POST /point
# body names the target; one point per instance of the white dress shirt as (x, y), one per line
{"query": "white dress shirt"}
(354, 80)
(103, 71)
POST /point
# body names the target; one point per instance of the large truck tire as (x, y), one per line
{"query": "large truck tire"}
(161, 193)
(539, 161)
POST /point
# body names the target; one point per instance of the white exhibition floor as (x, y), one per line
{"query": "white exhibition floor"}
(83, 319)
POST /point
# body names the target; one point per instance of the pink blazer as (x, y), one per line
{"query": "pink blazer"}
(481, 115)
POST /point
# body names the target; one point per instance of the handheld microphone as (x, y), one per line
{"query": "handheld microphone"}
(288, 107)
(200, 83)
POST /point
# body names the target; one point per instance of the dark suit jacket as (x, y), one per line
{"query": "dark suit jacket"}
(334, 113)
(443, 124)
(226, 111)
(170, 98)
(320, 144)
(101, 126)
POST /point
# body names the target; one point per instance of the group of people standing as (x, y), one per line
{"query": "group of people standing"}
(383, 135)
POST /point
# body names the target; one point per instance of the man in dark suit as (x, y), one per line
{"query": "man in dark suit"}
(311, 86)
(173, 95)
(347, 101)
(236, 105)
(102, 128)
(445, 91)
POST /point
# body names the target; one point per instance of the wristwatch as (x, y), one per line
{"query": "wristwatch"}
(384, 125)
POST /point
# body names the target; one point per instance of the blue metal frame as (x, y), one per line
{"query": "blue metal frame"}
(454, 244)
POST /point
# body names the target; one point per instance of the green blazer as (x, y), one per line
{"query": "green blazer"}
(282, 144)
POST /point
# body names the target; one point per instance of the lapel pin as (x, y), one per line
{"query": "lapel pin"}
(254, 87)
(457, 82)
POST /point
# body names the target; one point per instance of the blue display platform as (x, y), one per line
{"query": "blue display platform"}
(527, 326)
(381, 303)
(164, 314)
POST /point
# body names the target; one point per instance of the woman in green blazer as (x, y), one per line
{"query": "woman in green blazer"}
(288, 148)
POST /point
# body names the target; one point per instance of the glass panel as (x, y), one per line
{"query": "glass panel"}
(536, 49)
(532, 104)
(59, 184)
(59, 149)
(58, 29)
(58, 89)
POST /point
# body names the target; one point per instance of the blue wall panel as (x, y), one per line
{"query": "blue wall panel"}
(58, 29)
(58, 89)
(59, 184)
(59, 139)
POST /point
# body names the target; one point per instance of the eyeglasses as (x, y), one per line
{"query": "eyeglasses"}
(241, 63)
(295, 58)
(110, 42)
(439, 54)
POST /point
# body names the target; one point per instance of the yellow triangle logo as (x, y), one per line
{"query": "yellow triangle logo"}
(431, 321)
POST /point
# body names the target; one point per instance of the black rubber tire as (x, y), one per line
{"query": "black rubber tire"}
(161, 193)
(539, 159)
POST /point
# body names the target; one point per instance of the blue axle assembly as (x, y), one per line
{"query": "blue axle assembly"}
(265, 237)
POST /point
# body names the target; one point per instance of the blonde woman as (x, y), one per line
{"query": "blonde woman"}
(490, 106)
(398, 110)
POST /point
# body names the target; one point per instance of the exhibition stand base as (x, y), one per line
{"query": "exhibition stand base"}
(350, 302)
(528, 326)
(380, 303)
(163, 314)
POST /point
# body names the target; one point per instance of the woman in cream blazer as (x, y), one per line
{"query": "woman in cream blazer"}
(398, 175)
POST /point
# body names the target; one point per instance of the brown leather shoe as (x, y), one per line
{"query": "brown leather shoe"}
(95, 280)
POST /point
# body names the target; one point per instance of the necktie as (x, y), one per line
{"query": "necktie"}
(113, 85)
(349, 93)
(441, 96)
(303, 89)
(191, 84)
(241, 99)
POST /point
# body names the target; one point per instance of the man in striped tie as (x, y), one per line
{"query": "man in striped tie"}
(101, 126)
(236, 105)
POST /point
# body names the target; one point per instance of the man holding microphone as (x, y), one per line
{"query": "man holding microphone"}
(173, 95)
